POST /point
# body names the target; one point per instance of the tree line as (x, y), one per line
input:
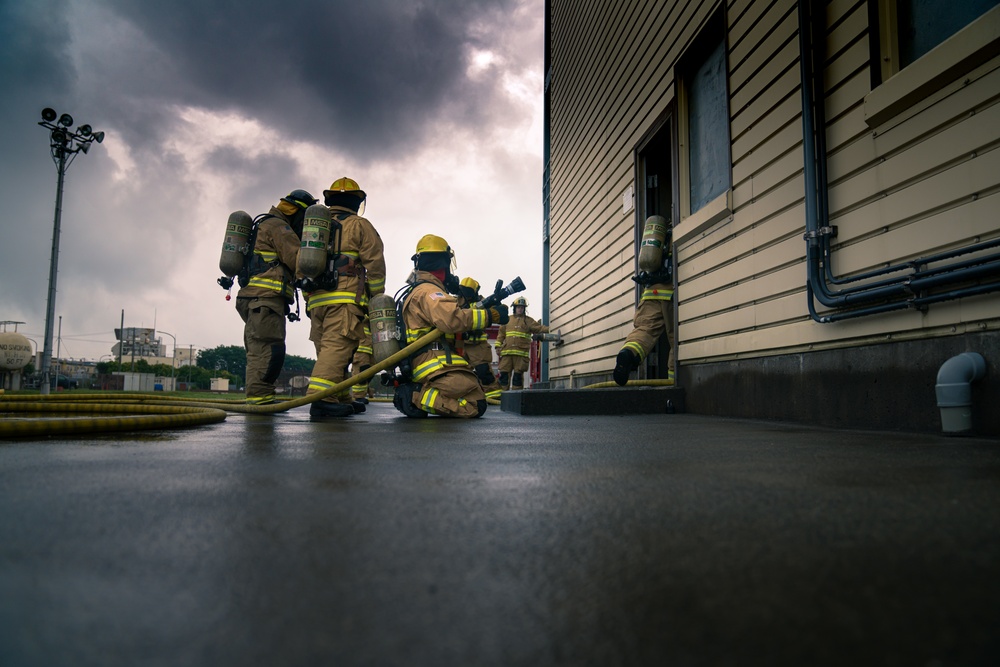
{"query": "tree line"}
(225, 361)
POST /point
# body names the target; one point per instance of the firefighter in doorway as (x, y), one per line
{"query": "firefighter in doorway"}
(514, 344)
(654, 315)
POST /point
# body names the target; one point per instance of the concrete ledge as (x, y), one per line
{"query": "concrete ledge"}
(612, 401)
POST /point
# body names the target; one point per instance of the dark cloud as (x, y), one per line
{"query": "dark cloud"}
(378, 81)
(369, 77)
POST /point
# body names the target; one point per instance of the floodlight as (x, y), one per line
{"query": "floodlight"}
(85, 130)
(98, 137)
(85, 147)
(48, 114)
(66, 120)
(58, 136)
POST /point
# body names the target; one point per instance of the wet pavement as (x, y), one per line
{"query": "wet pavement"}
(510, 540)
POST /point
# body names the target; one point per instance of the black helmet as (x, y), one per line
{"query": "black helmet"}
(300, 198)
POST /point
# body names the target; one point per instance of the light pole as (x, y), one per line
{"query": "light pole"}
(173, 359)
(65, 145)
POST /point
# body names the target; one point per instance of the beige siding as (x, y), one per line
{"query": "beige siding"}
(922, 181)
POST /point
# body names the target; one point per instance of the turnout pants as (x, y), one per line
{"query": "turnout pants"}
(264, 340)
(652, 318)
(336, 331)
(454, 393)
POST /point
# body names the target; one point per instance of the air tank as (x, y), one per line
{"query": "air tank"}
(654, 236)
(236, 244)
(315, 239)
(385, 333)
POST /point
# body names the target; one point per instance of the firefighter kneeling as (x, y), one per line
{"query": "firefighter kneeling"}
(442, 382)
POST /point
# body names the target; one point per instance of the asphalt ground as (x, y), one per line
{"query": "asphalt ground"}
(509, 540)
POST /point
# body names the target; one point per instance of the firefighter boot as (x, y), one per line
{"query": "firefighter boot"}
(402, 399)
(328, 410)
(626, 362)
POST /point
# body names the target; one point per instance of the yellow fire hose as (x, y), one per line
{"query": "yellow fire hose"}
(158, 412)
(632, 383)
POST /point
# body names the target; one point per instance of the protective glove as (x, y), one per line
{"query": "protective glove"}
(499, 314)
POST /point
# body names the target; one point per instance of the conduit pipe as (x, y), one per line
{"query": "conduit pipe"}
(954, 391)
(899, 293)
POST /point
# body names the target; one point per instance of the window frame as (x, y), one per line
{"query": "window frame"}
(896, 91)
(720, 207)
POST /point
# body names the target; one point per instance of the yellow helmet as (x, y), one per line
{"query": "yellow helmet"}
(345, 184)
(521, 301)
(469, 282)
(429, 243)
(349, 186)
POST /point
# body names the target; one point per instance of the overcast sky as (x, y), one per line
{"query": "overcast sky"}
(210, 106)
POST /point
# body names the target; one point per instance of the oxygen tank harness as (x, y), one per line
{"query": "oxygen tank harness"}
(320, 253)
(238, 259)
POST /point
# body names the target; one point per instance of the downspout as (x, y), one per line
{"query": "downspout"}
(954, 391)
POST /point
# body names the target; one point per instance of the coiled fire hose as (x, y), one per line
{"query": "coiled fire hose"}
(148, 411)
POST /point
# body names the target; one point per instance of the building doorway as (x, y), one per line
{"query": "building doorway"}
(657, 195)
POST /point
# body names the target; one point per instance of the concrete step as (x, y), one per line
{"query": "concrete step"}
(610, 401)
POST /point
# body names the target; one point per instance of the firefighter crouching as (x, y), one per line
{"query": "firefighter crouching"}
(263, 300)
(476, 345)
(514, 345)
(336, 300)
(442, 382)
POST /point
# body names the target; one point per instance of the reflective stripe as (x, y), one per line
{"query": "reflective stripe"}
(650, 294)
(480, 318)
(428, 399)
(266, 255)
(260, 400)
(278, 286)
(635, 347)
(514, 353)
(519, 334)
(437, 363)
(365, 349)
(495, 394)
(319, 384)
(413, 334)
(317, 299)
(377, 285)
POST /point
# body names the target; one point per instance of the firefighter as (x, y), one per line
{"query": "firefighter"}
(654, 315)
(263, 302)
(476, 345)
(441, 381)
(337, 300)
(514, 343)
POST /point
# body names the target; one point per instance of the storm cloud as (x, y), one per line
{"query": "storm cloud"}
(214, 106)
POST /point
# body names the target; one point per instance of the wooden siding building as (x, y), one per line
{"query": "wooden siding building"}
(832, 176)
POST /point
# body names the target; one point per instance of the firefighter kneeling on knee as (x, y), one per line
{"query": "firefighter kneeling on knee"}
(514, 344)
(442, 382)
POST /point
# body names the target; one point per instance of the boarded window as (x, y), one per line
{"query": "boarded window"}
(706, 117)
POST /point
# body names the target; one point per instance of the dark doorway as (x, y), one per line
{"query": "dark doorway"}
(656, 195)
